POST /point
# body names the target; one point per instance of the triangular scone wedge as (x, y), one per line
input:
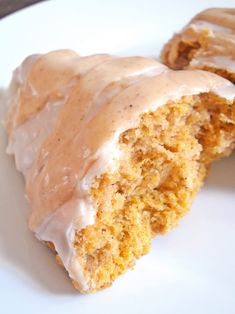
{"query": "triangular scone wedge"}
(113, 151)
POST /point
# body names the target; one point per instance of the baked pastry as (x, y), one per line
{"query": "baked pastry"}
(207, 42)
(113, 151)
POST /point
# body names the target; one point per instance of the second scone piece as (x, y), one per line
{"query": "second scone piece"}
(207, 42)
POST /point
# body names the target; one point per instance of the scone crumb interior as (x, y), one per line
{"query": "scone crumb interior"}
(166, 160)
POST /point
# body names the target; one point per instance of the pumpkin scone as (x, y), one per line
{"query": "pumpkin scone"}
(113, 151)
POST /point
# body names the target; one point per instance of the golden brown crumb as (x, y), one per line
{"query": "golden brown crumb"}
(166, 161)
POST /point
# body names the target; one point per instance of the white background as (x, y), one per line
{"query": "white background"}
(192, 269)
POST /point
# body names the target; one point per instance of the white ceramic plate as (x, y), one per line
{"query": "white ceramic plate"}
(191, 270)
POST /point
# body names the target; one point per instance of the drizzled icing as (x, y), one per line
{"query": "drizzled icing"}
(103, 98)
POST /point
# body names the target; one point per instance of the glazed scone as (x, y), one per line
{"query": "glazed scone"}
(113, 150)
(207, 43)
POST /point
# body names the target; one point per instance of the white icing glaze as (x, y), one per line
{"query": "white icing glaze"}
(200, 25)
(27, 138)
(59, 228)
(226, 92)
(219, 62)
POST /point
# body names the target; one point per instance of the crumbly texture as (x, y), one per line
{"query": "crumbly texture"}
(185, 53)
(166, 161)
